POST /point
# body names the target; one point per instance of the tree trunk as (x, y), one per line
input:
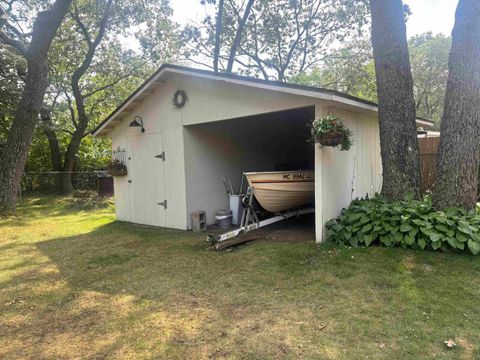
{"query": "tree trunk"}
(67, 184)
(459, 149)
(396, 106)
(53, 144)
(69, 161)
(83, 119)
(55, 152)
(218, 34)
(238, 36)
(26, 116)
(21, 133)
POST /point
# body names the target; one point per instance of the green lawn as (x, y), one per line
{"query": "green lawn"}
(75, 284)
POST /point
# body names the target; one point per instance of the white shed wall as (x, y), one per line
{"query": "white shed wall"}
(159, 116)
(208, 159)
(342, 176)
(213, 100)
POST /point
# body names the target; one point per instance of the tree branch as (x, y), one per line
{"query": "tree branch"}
(81, 25)
(116, 81)
(70, 108)
(17, 45)
(80, 71)
(238, 36)
(218, 34)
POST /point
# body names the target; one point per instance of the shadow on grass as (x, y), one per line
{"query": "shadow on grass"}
(155, 263)
(121, 276)
(258, 301)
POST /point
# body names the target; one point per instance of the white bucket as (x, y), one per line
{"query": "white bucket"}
(223, 218)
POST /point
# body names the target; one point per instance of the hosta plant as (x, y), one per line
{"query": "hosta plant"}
(408, 223)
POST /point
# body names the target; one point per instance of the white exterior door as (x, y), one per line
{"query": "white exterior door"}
(146, 177)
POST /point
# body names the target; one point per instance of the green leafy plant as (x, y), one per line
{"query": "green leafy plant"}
(330, 131)
(409, 223)
(117, 168)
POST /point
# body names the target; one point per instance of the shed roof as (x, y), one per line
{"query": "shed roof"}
(296, 89)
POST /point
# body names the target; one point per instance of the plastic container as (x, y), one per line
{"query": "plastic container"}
(236, 208)
(223, 218)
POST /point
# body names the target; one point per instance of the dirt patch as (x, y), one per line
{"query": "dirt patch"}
(294, 230)
(409, 263)
(298, 230)
(467, 347)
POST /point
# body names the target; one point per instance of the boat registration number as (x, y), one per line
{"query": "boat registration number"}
(298, 176)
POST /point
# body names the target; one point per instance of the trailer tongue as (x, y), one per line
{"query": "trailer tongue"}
(249, 223)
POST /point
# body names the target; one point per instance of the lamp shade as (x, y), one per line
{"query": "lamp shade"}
(137, 122)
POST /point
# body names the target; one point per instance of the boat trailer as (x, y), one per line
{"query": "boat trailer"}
(250, 222)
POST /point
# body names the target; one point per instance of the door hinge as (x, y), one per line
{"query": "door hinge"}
(161, 156)
(163, 203)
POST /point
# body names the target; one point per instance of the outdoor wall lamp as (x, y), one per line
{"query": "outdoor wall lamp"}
(136, 123)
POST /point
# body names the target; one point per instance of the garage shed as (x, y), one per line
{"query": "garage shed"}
(194, 127)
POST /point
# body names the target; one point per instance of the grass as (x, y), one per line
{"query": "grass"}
(76, 284)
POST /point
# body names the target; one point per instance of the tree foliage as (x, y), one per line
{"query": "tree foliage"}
(351, 70)
(92, 72)
(429, 60)
(280, 38)
(13, 68)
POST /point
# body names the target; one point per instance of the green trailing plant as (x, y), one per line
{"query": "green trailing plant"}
(330, 131)
(409, 223)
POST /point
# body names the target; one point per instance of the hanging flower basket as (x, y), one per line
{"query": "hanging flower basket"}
(117, 168)
(330, 139)
(330, 131)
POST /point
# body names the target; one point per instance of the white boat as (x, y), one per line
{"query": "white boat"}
(278, 191)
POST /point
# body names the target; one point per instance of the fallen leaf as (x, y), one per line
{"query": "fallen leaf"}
(450, 343)
(322, 326)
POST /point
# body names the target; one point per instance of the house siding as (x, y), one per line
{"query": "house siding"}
(345, 175)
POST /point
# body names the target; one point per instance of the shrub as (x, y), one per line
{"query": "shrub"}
(407, 223)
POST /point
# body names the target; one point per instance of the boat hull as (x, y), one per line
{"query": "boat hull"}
(279, 191)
